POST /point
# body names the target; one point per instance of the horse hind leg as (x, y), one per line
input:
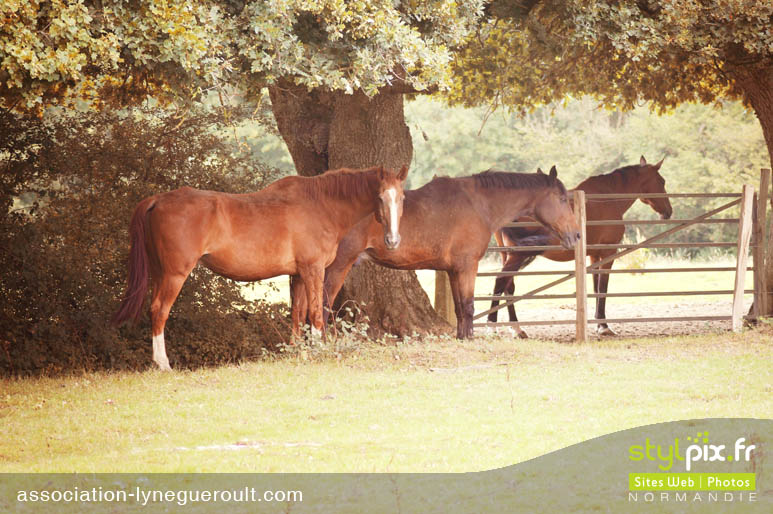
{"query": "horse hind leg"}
(165, 291)
(516, 262)
(500, 286)
(512, 262)
(511, 312)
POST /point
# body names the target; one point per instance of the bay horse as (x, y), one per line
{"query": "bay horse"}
(447, 225)
(291, 227)
(641, 178)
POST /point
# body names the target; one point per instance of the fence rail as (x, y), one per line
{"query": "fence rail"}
(532, 248)
(603, 223)
(751, 234)
(607, 271)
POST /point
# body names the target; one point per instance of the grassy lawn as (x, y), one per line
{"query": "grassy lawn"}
(437, 405)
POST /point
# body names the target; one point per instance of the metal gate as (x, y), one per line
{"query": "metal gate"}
(751, 221)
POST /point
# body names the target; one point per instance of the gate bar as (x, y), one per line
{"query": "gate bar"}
(760, 245)
(608, 320)
(580, 277)
(606, 271)
(628, 196)
(560, 296)
(604, 223)
(744, 234)
(614, 256)
(534, 248)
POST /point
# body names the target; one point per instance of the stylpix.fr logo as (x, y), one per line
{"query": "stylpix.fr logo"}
(698, 450)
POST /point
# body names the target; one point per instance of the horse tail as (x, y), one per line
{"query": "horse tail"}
(134, 298)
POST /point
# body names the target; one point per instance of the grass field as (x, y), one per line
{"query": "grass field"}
(433, 405)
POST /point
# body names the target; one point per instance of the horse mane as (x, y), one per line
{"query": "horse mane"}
(624, 175)
(341, 184)
(512, 180)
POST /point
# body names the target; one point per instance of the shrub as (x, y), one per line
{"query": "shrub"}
(70, 182)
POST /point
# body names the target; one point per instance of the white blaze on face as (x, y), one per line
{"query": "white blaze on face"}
(394, 228)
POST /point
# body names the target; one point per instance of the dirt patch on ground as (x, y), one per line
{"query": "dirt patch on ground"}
(627, 330)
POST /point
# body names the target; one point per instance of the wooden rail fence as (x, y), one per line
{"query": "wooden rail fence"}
(752, 232)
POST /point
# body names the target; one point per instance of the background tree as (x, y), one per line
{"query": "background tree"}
(706, 149)
(337, 70)
(337, 73)
(622, 53)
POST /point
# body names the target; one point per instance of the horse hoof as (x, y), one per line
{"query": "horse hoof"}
(164, 366)
(522, 335)
(605, 332)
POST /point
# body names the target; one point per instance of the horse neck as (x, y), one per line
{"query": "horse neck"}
(497, 206)
(611, 185)
(345, 212)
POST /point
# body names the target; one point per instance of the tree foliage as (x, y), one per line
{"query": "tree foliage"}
(349, 46)
(123, 51)
(622, 52)
(107, 50)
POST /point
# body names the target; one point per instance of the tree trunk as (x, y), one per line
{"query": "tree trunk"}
(756, 83)
(330, 130)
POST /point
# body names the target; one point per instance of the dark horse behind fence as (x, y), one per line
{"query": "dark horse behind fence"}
(641, 178)
(292, 227)
(447, 225)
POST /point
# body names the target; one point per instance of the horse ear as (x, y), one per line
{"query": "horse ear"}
(642, 161)
(403, 173)
(539, 170)
(658, 165)
(553, 172)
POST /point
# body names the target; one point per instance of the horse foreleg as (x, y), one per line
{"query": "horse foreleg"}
(327, 308)
(298, 307)
(165, 291)
(453, 279)
(335, 275)
(312, 277)
(466, 294)
(602, 283)
(347, 253)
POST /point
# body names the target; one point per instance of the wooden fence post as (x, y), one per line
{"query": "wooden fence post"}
(760, 245)
(444, 299)
(744, 233)
(580, 277)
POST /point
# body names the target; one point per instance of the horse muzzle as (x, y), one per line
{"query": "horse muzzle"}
(392, 242)
(569, 239)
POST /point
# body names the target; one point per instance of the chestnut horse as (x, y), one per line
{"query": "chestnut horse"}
(447, 225)
(291, 227)
(641, 178)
